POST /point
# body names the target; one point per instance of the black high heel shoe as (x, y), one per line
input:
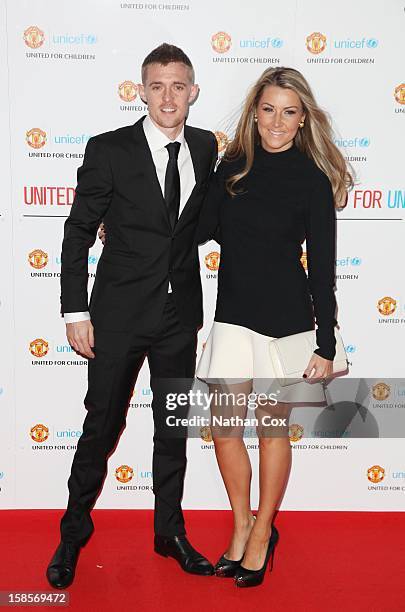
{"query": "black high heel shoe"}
(248, 578)
(226, 568)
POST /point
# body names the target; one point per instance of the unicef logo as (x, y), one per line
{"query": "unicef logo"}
(350, 348)
(277, 43)
(372, 43)
(355, 261)
(358, 141)
(74, 39)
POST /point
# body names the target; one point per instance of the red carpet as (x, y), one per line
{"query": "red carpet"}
(325, 561)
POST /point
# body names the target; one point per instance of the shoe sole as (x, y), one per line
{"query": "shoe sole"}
(246, 586)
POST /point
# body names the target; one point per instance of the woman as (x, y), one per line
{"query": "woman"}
(277, 185)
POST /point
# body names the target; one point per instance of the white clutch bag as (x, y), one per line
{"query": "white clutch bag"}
(290, 356)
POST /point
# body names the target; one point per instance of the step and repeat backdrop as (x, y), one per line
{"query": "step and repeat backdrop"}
(71, 69)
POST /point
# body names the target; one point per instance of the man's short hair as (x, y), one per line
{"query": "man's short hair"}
(166, 54)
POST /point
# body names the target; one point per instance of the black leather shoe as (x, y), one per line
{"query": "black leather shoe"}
(61, 570)
(248, 578)
(180, 549)
(226, 568)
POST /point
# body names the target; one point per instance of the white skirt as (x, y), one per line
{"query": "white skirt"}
(235, 354)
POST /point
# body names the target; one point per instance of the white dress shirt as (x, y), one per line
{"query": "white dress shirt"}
(157, 142)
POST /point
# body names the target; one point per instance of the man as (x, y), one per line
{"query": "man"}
(146, 182)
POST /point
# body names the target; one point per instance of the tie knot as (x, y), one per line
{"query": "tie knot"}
(173, 148)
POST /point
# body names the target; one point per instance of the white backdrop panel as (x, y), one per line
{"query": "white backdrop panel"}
(63, 82)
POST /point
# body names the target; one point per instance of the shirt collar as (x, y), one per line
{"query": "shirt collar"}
(156, 139)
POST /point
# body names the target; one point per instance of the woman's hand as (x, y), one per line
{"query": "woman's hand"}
(318, 368)
(101, 233)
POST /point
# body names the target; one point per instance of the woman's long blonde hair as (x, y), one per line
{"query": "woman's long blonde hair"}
(314, 139)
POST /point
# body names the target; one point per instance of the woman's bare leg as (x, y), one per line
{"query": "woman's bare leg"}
(275, 465)
(234, 465)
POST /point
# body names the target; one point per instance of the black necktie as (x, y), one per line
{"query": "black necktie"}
(172, 183)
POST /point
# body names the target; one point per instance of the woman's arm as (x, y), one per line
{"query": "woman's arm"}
(321, 255)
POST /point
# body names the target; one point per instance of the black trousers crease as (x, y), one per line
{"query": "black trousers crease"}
(171, 353)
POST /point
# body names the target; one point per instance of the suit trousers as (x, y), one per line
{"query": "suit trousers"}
(171, 353)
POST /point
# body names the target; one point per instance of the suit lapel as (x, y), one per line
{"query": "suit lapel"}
(148, 171)
(196, 149)
(196, 153)
(142, 152)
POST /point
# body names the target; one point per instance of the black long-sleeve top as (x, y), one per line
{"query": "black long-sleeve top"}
(262, 285)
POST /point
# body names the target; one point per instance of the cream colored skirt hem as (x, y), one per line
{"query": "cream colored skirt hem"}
(235, 354)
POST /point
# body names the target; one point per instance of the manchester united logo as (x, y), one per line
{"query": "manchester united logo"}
(39, 433)
(127, 91)
(381, 391)
(38, 259)
(399, 93)
(221, 42)
(304, 260)
(39, 347)
(34, 37)
(375, 474)
(212, 261)
(316, 43)
(205, 433)
(386, 306)
(295, 432)
(36, 138)
(222, 140)
(124, 473)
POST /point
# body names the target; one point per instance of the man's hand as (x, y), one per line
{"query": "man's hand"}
(101, 233)
(318, 368)
(81, 337)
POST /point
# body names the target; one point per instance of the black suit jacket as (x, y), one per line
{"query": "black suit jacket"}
(117, 183)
